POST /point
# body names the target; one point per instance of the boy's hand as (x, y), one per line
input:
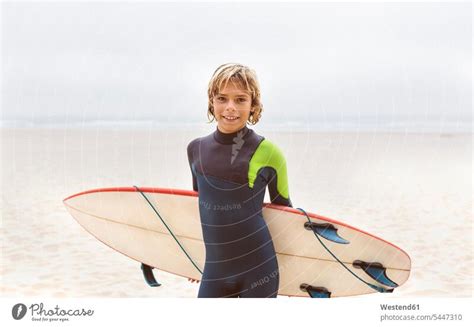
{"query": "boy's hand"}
(192, 280)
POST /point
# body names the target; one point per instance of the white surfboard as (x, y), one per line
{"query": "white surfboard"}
(123, 219)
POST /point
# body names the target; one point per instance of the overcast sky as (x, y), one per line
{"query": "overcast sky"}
(152, 61)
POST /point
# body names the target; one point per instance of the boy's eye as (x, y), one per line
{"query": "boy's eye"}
(238, 100)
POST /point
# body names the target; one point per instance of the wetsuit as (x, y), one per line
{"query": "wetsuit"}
(231, 172)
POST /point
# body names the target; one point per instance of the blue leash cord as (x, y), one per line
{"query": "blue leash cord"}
(375, 287)
(169, 230)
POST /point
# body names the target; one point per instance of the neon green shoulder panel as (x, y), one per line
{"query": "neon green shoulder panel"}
(269, 155)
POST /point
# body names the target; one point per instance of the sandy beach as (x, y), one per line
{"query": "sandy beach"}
(414, 190)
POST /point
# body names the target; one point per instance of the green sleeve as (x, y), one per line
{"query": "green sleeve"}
(269, 155)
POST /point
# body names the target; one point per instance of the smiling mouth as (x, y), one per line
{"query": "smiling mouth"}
(230, 117)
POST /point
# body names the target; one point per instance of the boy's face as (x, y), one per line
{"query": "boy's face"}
(232, 107)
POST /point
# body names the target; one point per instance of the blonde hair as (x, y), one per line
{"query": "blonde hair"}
(241, 75)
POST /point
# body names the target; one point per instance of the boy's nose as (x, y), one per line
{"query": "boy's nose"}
(230, 105)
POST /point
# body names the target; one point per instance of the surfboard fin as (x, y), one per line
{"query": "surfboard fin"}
(328, 231)
(149, 277)
(315, 292)
(376, 271)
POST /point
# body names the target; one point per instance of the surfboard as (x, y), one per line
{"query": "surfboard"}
(317, 256)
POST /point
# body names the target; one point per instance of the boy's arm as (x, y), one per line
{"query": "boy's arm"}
(269, 161)
(279, 177)
(190, 160)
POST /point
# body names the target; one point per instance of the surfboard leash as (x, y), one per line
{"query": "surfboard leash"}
(375, 287)
(169, 229)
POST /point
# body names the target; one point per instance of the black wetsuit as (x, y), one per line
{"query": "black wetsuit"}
(231, 172)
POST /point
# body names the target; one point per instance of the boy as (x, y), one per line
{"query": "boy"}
(231, 168)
